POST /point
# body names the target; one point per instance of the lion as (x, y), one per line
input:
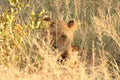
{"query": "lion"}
(61, 35)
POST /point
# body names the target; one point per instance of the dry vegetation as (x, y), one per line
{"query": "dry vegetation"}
(98, 36)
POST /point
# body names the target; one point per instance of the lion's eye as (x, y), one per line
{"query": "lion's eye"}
(64, 36)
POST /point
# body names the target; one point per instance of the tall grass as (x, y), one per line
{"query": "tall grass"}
(24, 54)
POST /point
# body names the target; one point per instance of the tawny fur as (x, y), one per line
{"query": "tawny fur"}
(61, 35)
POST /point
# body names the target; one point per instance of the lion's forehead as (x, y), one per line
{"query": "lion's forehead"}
(60, 27)
(60, 24)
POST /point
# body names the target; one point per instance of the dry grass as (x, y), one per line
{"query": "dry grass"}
(24, 55)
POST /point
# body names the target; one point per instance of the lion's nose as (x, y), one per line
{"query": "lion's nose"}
(55, 46)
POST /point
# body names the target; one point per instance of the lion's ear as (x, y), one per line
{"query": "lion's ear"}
(46, 18)
(72, 25)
